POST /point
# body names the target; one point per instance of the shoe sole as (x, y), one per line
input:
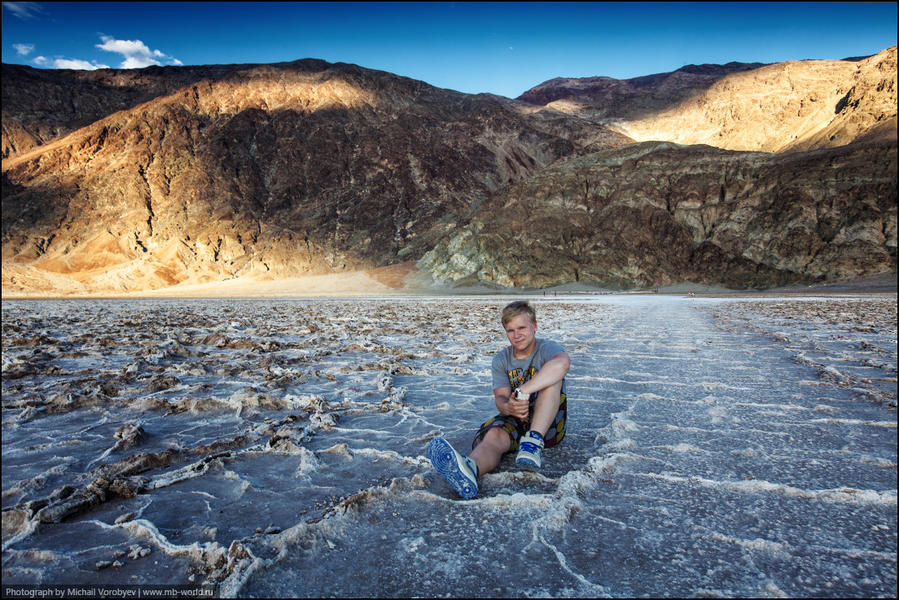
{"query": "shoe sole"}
(443, 458)
(527, 463)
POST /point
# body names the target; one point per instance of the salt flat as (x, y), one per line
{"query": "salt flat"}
(728, 447)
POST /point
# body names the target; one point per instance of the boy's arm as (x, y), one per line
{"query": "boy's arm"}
(552, 372)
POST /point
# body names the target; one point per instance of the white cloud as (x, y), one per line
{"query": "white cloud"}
(136, 53)
(68, 63)
(75, 63)
(24, 49)
(24, 10)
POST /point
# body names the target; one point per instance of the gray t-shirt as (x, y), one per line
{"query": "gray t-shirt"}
(512, 372)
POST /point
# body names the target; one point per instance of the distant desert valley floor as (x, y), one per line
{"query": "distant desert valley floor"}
(312, 179)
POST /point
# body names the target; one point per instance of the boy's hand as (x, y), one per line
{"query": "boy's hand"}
(518, 409)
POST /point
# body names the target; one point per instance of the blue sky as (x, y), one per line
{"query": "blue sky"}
(503, 48)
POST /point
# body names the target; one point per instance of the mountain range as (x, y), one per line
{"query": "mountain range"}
(743, 175)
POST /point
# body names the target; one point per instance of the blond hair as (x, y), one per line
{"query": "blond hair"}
(519, 307)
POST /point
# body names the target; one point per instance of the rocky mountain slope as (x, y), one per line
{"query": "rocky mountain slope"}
(40, 105)
(657, 213)
(271, 171)
(128, 180)
(606, 98)
(770, 108)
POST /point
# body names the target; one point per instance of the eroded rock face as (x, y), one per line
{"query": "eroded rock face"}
(271, 171)
(655, 214)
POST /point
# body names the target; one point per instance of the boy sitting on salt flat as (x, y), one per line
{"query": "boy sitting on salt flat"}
(529, 392)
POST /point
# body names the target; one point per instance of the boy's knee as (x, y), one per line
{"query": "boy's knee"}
(553, 392)
(497, 437)
(495, 433)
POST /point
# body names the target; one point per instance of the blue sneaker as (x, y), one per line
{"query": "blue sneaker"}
(529, 451)
(459, 471)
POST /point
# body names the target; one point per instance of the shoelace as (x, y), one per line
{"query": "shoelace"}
(530, 446)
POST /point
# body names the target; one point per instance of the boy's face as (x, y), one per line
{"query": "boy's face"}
(521, 332)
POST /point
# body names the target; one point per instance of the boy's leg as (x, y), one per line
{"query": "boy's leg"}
(545, 408)
(490, 449)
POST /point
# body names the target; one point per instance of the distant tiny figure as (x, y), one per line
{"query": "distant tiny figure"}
(529, 392)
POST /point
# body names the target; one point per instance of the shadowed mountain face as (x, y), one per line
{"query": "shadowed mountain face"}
(128, 180)
(658, 214)
(42, 105)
